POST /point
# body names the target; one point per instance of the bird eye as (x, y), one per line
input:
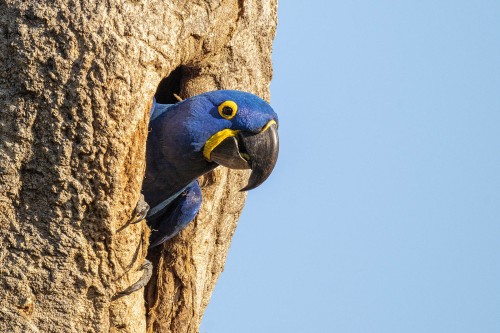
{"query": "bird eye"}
(228, 109)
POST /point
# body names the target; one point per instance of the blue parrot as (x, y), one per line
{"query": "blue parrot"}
(190, 138)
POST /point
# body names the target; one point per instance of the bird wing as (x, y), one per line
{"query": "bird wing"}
(168, 222)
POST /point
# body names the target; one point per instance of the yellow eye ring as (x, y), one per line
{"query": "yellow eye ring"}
(228, 109)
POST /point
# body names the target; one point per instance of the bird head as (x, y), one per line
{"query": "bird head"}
(231, 128)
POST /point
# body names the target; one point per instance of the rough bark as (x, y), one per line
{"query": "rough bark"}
(76, 83)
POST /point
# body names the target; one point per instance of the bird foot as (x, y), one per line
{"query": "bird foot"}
(140, 211)
(147, 267)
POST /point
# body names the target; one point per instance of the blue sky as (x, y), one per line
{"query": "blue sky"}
(383, 212)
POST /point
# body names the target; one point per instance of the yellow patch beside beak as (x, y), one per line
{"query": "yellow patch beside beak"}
(269, 124)
(216, 139)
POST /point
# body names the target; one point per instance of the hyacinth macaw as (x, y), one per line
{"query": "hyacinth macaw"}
(190, 138)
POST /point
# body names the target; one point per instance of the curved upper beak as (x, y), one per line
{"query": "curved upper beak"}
(256, 151)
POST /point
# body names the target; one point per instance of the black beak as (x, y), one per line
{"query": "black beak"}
(258, 152)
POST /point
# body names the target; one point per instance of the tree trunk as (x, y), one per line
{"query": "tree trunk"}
(76, 83)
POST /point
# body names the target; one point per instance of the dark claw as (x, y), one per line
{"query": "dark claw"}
(147, 267)
(140, 211)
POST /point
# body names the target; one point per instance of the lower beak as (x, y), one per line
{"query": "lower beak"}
(258, 152)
